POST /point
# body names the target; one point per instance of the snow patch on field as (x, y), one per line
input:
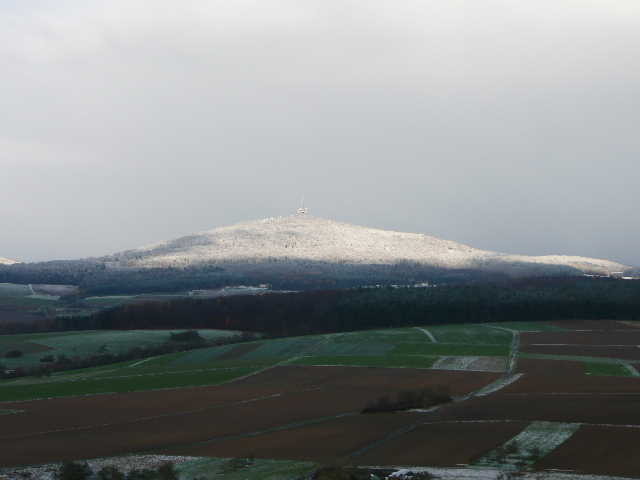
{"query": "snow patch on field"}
(125, 464)
(498, 385)
(525, 449)
(471, 364)
(454, 363)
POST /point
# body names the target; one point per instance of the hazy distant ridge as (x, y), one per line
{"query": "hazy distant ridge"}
(297, 239)
(7, 261)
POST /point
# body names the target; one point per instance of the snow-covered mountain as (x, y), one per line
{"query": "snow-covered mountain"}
(300, 240)
(6, 261)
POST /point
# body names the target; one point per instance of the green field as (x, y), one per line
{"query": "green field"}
(85, 343)
(118, 382)
(403, 347)
(14, 290)
(470, 334)
(244, 469)
(451, 349)
(408, 361)
(606, 369)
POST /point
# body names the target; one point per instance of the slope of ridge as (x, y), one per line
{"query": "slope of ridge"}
(7, 261)
(300, 238)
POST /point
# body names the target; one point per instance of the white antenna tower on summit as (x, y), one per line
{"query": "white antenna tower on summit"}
(302, 210)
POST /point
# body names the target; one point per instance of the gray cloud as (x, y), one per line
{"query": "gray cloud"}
(507, 125)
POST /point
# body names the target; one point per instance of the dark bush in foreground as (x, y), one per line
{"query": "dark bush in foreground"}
(426, 398)
(110, 473)
(73, 471)
(333, 473)
(13, 354)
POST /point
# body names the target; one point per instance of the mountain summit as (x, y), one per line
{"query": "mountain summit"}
(301, 241)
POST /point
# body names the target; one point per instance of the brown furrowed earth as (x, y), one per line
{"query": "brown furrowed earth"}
(325, 442)
(102, 425)
(621, 409)
(562, 376)
(631, 353)
(442, 444)
(598, 325)
(622, 344)
(599, 450)
(599, 339)
(313, 413)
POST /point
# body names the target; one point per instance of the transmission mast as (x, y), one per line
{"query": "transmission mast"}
(302, 210)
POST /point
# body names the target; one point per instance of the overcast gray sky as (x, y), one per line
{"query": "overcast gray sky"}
(508, 125)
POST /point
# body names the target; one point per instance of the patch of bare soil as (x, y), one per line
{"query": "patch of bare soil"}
(324, 442)
(442, 444)
(602, 338)
(103, 425)
(598, 450)
(606, 408)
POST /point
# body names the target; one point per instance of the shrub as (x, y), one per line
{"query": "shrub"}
(144, 474)
(425, 398)
(13, 354)
(167, 471)
(73, 471)
(333, 473)
(110, 473)
(47, 359)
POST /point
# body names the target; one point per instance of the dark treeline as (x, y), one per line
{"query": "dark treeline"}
(344, 310)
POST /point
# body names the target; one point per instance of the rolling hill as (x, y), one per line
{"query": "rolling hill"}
(302, 242)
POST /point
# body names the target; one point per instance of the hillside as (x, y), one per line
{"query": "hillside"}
(300, 241)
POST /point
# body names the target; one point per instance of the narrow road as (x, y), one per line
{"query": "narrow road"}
(515, 347)
(428, 334)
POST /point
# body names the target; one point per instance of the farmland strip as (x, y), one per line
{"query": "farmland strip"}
(525, 449)
(144, 419)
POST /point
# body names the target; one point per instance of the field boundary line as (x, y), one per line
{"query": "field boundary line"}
(141, 362)
(257, 433)
(632, 370)
(428, 334)
(515, 347)
(390, 436)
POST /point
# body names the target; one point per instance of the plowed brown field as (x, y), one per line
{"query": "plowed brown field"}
(631, 338)
(614, 409)
(104, 425)
(442, 444)
(598, 450)
(559, 376)
(321, 442)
